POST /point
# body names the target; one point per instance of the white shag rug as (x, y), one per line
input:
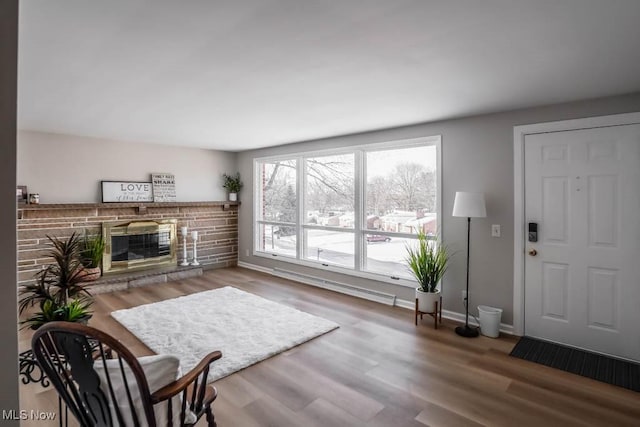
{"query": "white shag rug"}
(246, 328)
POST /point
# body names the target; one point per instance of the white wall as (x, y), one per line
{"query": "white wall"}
(8, 302)
(68, 168)
(477, 155)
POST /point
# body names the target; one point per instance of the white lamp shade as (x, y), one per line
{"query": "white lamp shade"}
(469, 205)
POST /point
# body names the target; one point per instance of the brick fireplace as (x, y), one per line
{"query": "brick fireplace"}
(216, 223)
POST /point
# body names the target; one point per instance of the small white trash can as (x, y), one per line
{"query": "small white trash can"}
(490, 320)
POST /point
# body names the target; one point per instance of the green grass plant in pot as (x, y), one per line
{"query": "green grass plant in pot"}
(233, 185)
(59, 290)
(428, 261)
(91, 257)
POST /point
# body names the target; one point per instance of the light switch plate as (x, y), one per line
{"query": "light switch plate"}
(495, 230)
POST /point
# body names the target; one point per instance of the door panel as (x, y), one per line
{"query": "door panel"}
(555, 209)
(603, 298)
(603, 213)
(582, 288)
(555, 289)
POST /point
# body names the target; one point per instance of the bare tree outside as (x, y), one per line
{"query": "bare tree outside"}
(379, 197)
(278, 181)
(330, 185)
(408, 186)
(407, 191)
(427, 181)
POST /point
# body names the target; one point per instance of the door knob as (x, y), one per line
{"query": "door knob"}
(533, 252)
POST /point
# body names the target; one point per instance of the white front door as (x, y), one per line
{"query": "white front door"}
(582, 284)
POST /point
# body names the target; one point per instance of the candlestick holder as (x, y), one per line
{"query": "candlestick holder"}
(183, 232)
(194, 237)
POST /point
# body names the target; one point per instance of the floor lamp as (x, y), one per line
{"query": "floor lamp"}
(469, 205)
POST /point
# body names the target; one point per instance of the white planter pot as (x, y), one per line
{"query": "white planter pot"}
(426, 300)
(233, 197)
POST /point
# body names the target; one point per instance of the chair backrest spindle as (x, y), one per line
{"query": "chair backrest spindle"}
(112, 395)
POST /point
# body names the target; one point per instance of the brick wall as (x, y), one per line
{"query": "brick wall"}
(216, 223)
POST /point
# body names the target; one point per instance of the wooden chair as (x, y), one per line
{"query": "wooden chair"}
(103, 384)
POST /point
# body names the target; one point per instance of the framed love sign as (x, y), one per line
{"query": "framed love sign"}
(126, 191)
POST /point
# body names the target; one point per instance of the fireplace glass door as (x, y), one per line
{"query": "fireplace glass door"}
(140, 244)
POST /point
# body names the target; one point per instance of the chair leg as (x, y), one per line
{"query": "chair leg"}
(211, 421)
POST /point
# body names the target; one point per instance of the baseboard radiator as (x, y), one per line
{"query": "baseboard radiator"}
(356, 291)
(344, 288)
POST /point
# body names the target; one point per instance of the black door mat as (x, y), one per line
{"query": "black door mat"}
(591, 365)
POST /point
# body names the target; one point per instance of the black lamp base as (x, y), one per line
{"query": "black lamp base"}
(467, 332)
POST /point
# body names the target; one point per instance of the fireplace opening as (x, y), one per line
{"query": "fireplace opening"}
(139, 244)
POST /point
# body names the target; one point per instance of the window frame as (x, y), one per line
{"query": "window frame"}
(358, 232)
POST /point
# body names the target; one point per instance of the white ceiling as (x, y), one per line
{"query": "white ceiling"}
(241, 74)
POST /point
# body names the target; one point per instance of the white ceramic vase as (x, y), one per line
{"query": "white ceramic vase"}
(426, 300)
(233, 197)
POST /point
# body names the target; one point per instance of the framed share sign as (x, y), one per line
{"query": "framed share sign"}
(164, 187)
(126, 191)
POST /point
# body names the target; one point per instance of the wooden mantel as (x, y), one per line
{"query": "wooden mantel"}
(141, 207)
(122, 205)
(215, 221)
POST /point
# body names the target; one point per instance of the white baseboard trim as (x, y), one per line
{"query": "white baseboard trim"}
(359, 292)
(409, 305)
(453, 315)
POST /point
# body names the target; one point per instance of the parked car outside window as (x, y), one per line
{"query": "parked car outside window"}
(377, 238)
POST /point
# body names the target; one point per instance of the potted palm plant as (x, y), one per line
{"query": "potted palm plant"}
(59, 290)
(428, 262)
(91, 257)
(233, 185)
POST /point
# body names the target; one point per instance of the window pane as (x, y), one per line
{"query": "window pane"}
(277, 191)
(401, 190)
(331, 247)
(277, 239)
(387, 255)
(329, 191)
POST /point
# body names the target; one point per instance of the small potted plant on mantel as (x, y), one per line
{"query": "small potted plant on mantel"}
(428, 263)
(233, 185)
(59, 290)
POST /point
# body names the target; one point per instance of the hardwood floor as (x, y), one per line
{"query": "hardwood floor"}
(377, 369)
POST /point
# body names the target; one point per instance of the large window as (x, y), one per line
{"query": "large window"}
(353, 211)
